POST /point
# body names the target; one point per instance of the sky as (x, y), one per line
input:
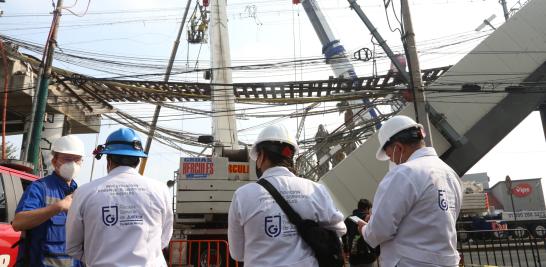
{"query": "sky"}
(276, 31)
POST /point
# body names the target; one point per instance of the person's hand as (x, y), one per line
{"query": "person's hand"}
(65, 203)
(367, 217)
(361, 225)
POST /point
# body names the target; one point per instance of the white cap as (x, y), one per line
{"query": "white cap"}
(274, 133)
(391, 127)
(68, 144)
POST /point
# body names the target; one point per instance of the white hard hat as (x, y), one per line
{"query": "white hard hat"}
(391, 127)
(68, 144)
(274, 133)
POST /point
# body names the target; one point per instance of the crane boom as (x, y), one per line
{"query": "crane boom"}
(333, 51)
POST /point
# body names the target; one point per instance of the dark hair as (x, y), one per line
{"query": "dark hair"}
(121, 160)
(364, 204)
(277, 154)
(410, 136)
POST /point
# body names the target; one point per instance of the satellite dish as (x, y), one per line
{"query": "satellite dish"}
(487, 22)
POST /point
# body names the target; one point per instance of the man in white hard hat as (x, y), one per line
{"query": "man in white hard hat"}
(42, 210)
(416, 204)
(259, 232)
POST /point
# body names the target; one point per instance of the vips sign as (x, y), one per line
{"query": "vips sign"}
(522, 190)
(197, 168)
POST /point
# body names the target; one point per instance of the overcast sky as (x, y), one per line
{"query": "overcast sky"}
(267, 31)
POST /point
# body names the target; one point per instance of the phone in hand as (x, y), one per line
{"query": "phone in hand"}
(356, 219)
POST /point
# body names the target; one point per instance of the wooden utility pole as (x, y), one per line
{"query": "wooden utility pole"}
(416, 84)
(166, 79)
(41, 98)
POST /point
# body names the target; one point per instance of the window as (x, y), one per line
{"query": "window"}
(3, 201)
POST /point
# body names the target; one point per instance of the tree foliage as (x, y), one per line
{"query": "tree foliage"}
(11, 151)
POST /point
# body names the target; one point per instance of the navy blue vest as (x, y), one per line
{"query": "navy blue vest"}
(46, 241)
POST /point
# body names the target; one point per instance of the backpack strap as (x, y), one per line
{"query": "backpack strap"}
(293, 216)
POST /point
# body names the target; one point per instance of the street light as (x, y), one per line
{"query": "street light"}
(487, 22)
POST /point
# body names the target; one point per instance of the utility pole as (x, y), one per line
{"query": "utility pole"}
(41, 98)
(508, 183)
(380, 40)
(505, 9)
(166, 79)
(224, 127)
(416, 84)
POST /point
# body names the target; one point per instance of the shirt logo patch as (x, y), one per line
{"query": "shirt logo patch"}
(442, 201)
(273, 225)
(110, 215)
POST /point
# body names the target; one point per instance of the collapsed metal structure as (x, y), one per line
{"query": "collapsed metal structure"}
(85, 99)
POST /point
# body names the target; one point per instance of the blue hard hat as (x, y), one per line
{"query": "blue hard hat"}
(125, 142)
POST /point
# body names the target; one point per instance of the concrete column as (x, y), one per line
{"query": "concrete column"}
(542, 110)
(53, 129)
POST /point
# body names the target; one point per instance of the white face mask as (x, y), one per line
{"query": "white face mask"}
(70, 170)
(393, 164)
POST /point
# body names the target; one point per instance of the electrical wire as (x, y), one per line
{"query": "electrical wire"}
(310, 65)
(75, 14)
(387, 16)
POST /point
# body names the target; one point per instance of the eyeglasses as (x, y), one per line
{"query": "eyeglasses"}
(65, 159)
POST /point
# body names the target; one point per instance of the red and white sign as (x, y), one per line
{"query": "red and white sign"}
(238, 168)
(197, 168)
(522, 190)
(238, 171)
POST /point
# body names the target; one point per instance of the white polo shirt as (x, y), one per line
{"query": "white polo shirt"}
(414, 213)
(259, 232)
(123, 219)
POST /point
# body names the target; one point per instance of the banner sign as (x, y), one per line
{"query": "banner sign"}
(238, 171)
(525, 215)
(522, 190)
(197, 168)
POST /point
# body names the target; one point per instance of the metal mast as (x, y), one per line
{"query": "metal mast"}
(224, 126)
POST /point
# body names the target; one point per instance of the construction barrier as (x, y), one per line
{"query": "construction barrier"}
(502, 247)
(200, 253)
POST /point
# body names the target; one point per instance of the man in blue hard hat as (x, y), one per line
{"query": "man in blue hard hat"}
(122, 219)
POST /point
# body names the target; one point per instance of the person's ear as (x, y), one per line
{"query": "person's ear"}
(260, 158)
(107, 165)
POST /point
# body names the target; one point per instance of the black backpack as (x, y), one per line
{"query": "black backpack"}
(361, 252)
(325, 243)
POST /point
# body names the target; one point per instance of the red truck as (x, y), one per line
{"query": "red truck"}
(12, 184)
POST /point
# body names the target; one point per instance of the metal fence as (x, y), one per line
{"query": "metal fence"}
(507, 247)
(200, 253)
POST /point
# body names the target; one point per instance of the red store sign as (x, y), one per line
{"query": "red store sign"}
(522, 190)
